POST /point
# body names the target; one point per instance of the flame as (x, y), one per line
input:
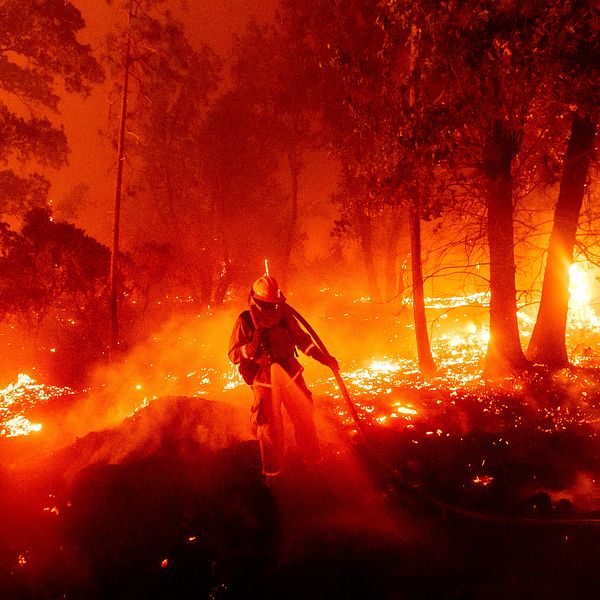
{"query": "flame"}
(580, 312)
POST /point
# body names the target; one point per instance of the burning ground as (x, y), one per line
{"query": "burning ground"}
(146, 483)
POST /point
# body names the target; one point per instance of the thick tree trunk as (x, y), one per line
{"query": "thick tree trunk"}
(425, 358)
(366, 242)
(504, 354)
(547, 345)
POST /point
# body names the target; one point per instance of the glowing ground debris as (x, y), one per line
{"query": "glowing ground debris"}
(404, 410)
(383, 366)
(18, 398)
(483, 480)
(17, 426)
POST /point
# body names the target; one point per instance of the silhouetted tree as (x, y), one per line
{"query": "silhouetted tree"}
(151, 272)
(487, 54)
(271, 73)
(54, 271)
(178, 83)
(573, 62)
(39, 48)
(165, 84)
(380, 125)
(240, 171)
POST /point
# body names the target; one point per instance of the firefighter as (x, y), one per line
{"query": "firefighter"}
(264, 335)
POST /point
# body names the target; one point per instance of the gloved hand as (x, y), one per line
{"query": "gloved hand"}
(259, 343)
(331, 362)
(324, 359)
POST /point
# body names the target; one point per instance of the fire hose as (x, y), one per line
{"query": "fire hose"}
(413, 488)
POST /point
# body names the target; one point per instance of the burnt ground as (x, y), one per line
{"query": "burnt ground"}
(170, 513)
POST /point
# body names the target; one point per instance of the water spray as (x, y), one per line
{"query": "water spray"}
(336, 372)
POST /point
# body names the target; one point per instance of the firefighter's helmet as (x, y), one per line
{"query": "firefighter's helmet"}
(266, 289)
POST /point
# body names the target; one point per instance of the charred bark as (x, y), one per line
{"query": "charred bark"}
(504, 353)
(547, 345)
(425, 358)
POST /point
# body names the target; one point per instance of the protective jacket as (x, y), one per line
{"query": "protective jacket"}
(284, 335)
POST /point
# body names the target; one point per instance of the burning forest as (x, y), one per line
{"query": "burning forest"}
(299, 301)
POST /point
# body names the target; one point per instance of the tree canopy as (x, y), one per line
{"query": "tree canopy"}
(39, 49)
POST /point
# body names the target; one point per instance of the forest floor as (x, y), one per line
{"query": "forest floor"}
(482, 492)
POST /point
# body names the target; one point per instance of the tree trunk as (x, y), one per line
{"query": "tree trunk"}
(224, 280)
(392, 287)
(294, 165)
(366, 242)
(425, 358)
(547, 345)
(504, 354)
(114, 258)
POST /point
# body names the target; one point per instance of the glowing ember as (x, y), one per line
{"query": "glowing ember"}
(18, 398)
(483, 480)
(405, 410)
(476, 299)
(383, 366)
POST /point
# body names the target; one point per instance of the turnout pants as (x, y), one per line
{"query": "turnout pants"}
(267, 421)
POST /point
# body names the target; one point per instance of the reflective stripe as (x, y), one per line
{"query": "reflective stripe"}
(244, 351)
(310, 347)
(261, 384)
